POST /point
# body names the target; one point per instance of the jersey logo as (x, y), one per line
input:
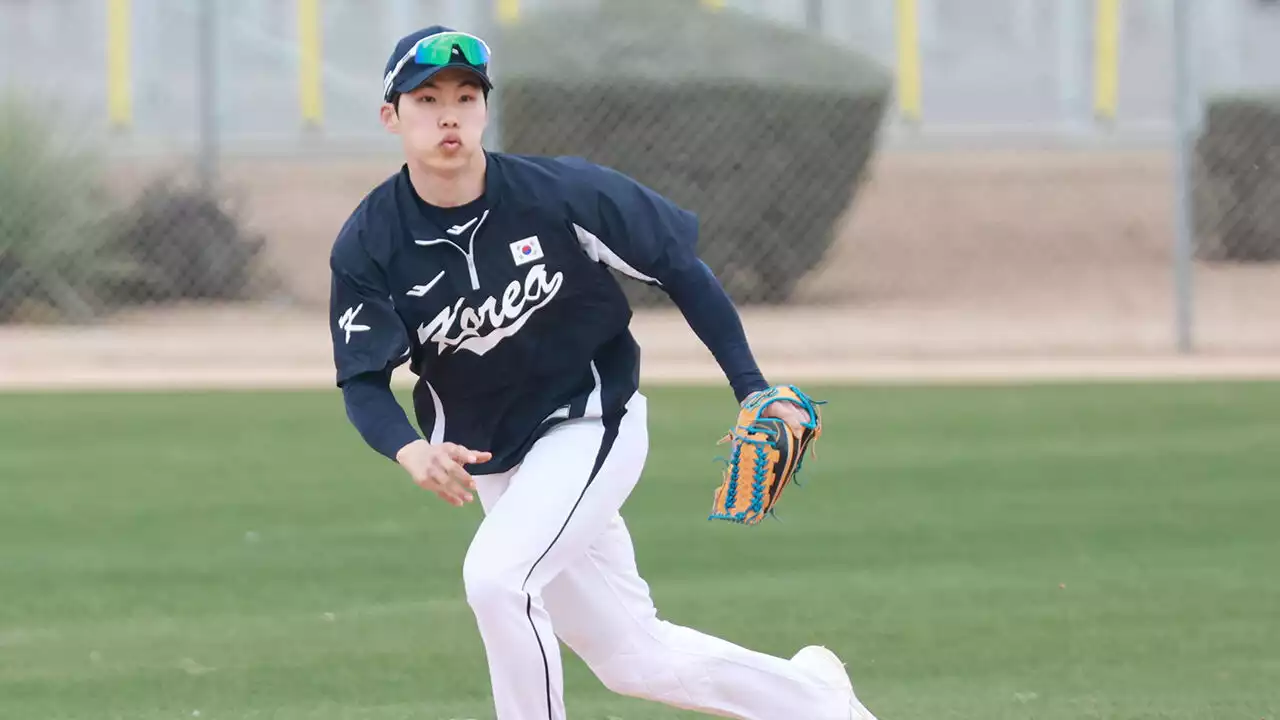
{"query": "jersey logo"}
(481, 329)
(348, 321)
(459, 229)
(526, 250)
(420, 290)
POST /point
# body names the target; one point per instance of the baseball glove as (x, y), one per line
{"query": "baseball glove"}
(765, 456)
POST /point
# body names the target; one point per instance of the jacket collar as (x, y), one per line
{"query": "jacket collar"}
(417, 216)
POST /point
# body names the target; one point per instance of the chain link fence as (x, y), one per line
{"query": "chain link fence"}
(1237, 180)
(769, 146)
(914, 178)
(1234, 186)
(77, 246)
(109, 202)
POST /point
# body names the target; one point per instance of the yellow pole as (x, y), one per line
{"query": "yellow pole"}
(120, 63)
(508, 11)
(310, 86)
(908, 38)
(1106, 58)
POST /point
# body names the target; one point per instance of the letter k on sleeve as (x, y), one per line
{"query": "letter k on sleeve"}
(366, 332)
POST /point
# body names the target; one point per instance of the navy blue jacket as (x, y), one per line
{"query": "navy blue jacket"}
(505, 308)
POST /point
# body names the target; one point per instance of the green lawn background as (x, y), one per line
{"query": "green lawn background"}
(1048, 552)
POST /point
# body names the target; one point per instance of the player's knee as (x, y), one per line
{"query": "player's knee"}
(489, 588)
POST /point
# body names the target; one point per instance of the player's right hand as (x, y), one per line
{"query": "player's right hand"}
(440, 469)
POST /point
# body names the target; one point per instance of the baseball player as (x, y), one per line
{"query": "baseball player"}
(489, 274)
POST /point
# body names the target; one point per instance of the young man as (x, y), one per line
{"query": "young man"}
(488, 273)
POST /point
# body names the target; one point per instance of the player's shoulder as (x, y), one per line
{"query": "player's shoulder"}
(523, 167)
(366, 229)
(565, 176)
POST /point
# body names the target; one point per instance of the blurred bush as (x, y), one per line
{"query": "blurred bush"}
(71, 250)
(765, 131)
(56, 261)
(1237, 179)
(189, 245)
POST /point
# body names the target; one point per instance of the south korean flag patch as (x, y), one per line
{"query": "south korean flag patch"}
(526, 250)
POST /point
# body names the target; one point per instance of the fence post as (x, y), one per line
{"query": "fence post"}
(813, 15)
(1072, 41)
(495, 14)
(907, 25)
(508, 11)
(1185, 123)
(120, 63)
(310, 86)
(207, 63)
(1106, 59)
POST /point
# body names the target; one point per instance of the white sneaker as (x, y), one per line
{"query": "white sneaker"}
(824, 664)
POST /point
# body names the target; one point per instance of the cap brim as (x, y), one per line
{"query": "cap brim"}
(414, 80)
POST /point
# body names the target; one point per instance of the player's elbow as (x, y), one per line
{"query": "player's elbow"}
(691, 281)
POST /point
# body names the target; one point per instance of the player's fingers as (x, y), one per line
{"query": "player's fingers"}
(794, 424)
(449, 492)
(796, 417)
(436, 479)
(450, 499)
(463, 480)
(455, 480)
(462, 457)
(432, 482)
(467, 456)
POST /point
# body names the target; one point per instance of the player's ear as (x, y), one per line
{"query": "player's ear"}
(390, 117)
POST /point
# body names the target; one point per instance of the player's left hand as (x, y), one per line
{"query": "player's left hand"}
(788, 412)
(762, 461)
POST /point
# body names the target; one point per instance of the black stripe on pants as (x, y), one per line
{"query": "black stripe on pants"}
(612, 423)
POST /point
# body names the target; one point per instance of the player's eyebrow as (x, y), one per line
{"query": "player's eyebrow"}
(464, 83)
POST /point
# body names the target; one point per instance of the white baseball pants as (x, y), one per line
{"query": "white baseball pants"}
(553, 559)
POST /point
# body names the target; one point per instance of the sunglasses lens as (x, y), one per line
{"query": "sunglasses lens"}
(452, 48)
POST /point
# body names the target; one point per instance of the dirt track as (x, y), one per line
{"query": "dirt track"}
(954, 265)
(271, 349)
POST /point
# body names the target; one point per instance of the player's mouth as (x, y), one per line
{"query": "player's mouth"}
(451, 142)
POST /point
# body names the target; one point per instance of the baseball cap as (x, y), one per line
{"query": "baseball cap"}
(421, 54)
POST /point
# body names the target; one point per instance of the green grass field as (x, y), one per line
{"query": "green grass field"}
(1056, 552)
